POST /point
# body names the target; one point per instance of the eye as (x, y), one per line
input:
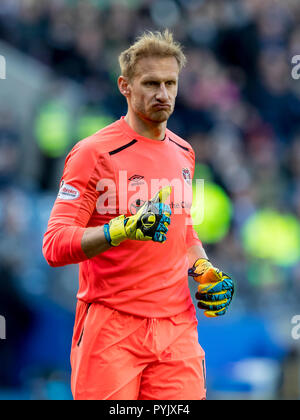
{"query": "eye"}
(151, 83)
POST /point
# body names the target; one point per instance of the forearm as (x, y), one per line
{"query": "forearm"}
(94, 242)
(195, 252)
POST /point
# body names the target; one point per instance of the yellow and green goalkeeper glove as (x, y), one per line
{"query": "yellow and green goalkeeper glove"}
(150, 223)
(215, 290)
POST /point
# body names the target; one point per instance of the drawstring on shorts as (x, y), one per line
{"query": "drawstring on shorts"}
(151, 330)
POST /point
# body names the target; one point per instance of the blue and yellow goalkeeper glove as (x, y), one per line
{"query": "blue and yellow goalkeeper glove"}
(215, 290)
(150, 223)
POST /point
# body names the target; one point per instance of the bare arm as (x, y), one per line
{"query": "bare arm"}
(94, 242)
(195, 252)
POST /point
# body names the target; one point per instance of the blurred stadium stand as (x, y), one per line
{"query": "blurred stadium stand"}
(238, 106)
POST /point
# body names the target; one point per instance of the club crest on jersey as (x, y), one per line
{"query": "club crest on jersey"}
(67, 192)
(187, 175)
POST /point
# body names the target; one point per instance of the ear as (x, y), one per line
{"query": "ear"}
(123, 85)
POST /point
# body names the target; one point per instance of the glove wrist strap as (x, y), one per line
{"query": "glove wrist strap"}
(106, 233)
(117, 231)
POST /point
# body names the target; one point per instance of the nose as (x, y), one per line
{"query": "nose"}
(162, 94)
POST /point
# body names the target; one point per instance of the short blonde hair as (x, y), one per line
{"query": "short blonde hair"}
(151, 44)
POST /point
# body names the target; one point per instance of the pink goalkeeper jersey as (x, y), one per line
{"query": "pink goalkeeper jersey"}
(111, 173)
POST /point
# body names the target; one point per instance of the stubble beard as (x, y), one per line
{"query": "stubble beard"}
(159, 116)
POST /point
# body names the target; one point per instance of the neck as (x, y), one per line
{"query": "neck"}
(151, 130)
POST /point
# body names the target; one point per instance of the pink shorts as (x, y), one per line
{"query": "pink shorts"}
(117, 356)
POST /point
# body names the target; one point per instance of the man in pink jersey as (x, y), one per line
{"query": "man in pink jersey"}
(123, 214)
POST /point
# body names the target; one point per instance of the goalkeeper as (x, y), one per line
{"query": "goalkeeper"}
(122, 215)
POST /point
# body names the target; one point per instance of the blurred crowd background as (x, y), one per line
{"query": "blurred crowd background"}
(239, 107)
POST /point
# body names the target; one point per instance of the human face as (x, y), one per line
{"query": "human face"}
(153, 88)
